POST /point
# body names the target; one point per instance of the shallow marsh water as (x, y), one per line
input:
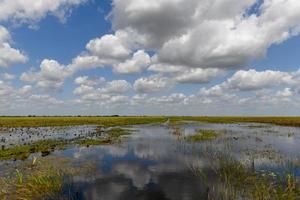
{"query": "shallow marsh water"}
(155, 163)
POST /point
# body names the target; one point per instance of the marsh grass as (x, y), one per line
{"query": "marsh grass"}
(202, 135)
(40, 179)
(236, 180)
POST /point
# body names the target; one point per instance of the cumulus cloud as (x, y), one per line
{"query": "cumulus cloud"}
(25, 11)
(207, 34)
(255, 80)
(154, 83)
(97, 90)
(85, 80)
(138, 63)
(9, 55)
(108, 47)
(50, 77)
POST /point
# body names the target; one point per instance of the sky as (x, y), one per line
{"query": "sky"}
(158, 57)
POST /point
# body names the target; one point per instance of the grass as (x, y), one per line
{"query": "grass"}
(23, 152)
(202, 135)
(227, 178)
(72, 121)
(40, 179)
(46, 146)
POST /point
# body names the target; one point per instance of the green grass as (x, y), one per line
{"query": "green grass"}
(72, 121)
(235, 180)
(202, 135)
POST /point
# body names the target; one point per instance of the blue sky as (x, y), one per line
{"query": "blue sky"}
(135, 57)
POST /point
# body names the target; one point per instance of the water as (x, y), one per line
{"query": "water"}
(153, 163)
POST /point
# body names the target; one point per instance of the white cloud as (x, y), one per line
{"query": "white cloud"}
(85, 80)
(154, 83)
(33, 10)
(7, 76)
(199, 75)
(287, 92)
(50, 77)
(84, 62)
(108, 47)
(207, 34)
(44, 100)
(138, 63)
(254, 80)
(9, 55)
(96, 90)
(116, 87)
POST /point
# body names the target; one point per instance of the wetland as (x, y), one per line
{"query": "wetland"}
(149, 158)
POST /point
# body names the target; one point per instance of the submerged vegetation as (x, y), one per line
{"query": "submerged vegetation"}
(202, 135)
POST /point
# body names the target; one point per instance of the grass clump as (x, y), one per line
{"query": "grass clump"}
(202, 135)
